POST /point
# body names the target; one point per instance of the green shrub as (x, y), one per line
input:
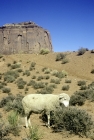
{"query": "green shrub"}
(46, 77)
(56, 81)
(10, 76)
(6, 100)
(17, 104)
(44, 51)
(40, 78)
(54, 72)
(15, 66)
(87, 94)
(83, 87)
(33, 77)
(33, 134)
(60, 56)
(1, 56)
(77, 100)
(92, 51)
(1, 115)
(4, 131)
(33, 64)
(81, 51)
(8, 64)
(26, 89)
(0, 76)
(92, 71)
(38, 85)
(19, 70)
(91, 86)
(64, 61)
(14, 62)
(53, 86)
(13, 103)
(1, 85)
(43, 69)
(67, 81)
(46, 90)
(80, 83)
(27, 73)
(13, 121)
(31, 83)
(74, 120)
(21, 83)
(6, 90)
(66, 87)
(59, 74)
(32, 68)
(47, 71)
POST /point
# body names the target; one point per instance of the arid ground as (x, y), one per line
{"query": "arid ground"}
(78, 68)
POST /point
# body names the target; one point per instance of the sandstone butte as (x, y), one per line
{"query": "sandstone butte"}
(24, 37)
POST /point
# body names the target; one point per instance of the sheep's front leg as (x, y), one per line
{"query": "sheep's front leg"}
(48, 116)
(26, 122)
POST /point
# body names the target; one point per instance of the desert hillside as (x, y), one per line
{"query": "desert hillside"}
(41, 69)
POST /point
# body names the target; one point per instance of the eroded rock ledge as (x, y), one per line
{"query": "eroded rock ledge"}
(25, 37)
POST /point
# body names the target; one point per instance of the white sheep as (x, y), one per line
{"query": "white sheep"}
(37, 103)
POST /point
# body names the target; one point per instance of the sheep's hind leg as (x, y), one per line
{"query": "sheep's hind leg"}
(48, 116)
(29, 123)
(28, 120)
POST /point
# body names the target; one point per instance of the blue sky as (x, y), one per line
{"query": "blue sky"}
(70, 22)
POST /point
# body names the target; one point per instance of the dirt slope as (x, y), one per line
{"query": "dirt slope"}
(78, 68)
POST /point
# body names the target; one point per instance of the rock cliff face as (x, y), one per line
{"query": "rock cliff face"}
(26, 37)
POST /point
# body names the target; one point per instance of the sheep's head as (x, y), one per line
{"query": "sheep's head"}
(64, 99)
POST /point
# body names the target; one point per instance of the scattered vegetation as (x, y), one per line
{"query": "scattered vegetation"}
(47, 71)
(81, 51)
(40, 78)
(44, 51)
(33, 134)
(67, 81)
(74, 120)
(92, 51)
(15, 66)
(21, 83)
(13, 121)
(79, 97)
(65, 60)
(12, 103)
(56, 81)
(92, 71)
(65, 87)
(60, 56)
(46, 90)
(10, 76)
(77, 100)
(32, 66)
(81, 83)
(6, 90)
(27, 73)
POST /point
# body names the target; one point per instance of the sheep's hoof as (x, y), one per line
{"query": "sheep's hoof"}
(47, 126)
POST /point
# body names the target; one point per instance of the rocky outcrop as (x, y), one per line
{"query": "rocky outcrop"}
(26, 37)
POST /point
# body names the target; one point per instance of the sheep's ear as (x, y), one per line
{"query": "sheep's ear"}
(61, 97)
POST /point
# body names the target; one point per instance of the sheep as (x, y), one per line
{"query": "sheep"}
(37, 103)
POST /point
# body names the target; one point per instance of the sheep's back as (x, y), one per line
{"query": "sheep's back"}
(38, 102)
